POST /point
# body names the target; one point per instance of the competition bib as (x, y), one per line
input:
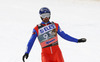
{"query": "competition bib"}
(47, 34)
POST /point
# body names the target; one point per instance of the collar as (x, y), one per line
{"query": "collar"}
(44, 22)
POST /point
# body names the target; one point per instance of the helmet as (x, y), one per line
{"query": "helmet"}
(44, 10)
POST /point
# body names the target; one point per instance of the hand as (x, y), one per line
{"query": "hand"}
(81, 40)
(25, 56)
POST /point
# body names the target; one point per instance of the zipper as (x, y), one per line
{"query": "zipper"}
(51, 50)
(46, 24)
(50, 46)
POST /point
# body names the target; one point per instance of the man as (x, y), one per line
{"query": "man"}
(46, 32)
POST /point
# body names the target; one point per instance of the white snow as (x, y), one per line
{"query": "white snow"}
(78, 18)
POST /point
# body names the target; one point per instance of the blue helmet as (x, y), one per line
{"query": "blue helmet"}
(44, 10)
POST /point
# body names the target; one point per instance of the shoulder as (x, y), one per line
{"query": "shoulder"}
(36, 27)
(56, 24)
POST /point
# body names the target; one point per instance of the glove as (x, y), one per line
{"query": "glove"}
(25, 56)
(81, 40)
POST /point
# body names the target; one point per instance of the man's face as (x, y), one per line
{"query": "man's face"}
(45, 17)
(45, 20)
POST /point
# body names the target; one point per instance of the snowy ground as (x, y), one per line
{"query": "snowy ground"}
(77, 18)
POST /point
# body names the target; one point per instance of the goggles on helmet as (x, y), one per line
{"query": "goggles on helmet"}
(45, 15)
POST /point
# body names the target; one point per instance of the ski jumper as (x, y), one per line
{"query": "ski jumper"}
(47, 36)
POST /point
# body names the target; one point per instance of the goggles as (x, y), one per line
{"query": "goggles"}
(45, 15)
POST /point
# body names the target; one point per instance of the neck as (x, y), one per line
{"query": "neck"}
(45, 22)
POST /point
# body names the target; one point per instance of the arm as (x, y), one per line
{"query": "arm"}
(66, 36)
(31, 41)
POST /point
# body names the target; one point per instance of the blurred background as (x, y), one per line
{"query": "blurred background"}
(78, 18)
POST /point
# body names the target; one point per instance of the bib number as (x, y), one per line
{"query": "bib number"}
(45, 36)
